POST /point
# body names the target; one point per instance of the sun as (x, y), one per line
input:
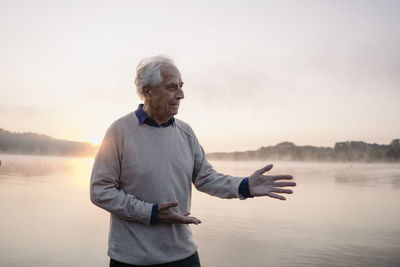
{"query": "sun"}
(96, 140)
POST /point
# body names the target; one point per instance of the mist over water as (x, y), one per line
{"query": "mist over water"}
(341, 214)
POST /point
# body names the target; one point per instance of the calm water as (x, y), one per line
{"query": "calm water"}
(340, 215)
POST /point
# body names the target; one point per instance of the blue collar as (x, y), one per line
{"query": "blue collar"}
(144, 118)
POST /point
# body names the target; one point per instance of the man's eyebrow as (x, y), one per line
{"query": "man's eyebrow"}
(171, 83)
(175, 83)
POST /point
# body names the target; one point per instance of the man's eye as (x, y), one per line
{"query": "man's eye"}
(172, 87)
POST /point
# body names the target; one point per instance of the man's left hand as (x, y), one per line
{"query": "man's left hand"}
(267, 185)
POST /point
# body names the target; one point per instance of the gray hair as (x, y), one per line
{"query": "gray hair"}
(148, 72)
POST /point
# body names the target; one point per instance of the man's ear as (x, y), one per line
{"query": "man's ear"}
(147, 92)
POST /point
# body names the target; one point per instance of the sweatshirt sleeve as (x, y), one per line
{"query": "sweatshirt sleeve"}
(105, 190)
(207, 180)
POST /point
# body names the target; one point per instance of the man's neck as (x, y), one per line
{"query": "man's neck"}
(160, 119)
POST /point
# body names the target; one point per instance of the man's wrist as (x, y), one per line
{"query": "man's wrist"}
(244, 189)
(154, 214)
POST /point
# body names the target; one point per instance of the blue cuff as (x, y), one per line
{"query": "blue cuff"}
(154, 213)
(244, 190)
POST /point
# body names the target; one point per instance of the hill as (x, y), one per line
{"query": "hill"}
(39, 144)
(342, 151)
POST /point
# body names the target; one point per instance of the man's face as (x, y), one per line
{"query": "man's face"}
(164, 101)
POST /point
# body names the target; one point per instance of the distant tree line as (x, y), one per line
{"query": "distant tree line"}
(39, 144)
(342, 151)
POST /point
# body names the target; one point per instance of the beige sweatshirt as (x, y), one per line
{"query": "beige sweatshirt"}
(138, 166)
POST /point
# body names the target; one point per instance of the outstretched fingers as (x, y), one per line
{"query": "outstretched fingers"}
(264, 169)
(185, 219)
(283, 184)
(282, 191)
(273, 195)
(269, 185)
(190, 220)
(167, 215)
(281, 177)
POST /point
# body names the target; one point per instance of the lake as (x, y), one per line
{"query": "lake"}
(341, 214)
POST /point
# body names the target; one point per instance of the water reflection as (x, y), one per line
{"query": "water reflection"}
(28, 169)
(369, 175)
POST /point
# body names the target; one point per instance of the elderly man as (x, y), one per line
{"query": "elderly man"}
(144, 171)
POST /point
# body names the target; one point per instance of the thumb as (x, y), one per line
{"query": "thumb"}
(265, 169)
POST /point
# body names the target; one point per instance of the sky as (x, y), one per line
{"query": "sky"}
(256, 73)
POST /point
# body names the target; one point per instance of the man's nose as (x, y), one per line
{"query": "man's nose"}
(180, 94)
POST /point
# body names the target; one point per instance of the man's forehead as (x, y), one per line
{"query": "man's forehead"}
(170, 71)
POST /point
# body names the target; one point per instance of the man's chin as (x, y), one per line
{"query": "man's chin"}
(173, 111)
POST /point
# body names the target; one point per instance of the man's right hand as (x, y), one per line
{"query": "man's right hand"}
(166, 215)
